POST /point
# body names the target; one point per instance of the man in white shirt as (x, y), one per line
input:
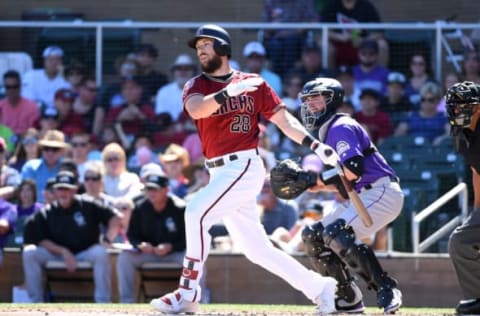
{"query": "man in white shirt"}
(169, 97)
(41, 84)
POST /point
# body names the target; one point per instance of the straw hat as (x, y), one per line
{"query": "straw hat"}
(53, 138)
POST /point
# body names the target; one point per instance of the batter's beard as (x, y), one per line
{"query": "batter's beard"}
(212, 65)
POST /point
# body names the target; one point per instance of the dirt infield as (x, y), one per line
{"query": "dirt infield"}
(213, 309)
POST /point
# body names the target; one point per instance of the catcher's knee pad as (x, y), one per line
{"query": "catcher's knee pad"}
(339, 237)
(312, 236)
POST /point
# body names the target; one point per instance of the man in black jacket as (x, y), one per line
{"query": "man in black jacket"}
(68, 230)
(156, 232)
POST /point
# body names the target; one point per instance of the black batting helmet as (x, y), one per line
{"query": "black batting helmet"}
(460, 100)
(328, 87)
(222, 42)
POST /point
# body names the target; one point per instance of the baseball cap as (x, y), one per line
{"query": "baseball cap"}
(183, 60)
(396, 77)
(148, 168)
(65, 179)
(148, 49)
(369, 92)
(52, 51)
(64, 95)
(369, 44)
(156, 179)
(48, 112)
(254, 48)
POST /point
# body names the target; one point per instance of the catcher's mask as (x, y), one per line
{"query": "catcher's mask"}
(333, 92)
(460, 100)
(222, 43)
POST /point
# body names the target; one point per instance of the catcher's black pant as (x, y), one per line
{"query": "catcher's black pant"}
(464, 249)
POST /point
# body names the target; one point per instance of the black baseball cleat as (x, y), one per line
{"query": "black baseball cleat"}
(355, 306)
(468, 307)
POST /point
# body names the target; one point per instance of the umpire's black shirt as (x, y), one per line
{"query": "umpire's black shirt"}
(155, 227)
(75, 228)
(469, 146)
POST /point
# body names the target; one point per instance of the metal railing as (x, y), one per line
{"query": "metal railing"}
(460, 190)
(438, 29)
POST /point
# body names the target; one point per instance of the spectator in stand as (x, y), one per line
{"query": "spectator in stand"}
(27, 149)
(396, 103)
(53, 147)
(150, 79)
(174, 160)
(449, 79)
(85, 104)
(274, 212)
(419, 75)
(471, 66)
(118, 181)
(427, 122)
(285, 45)
(9, 177)
(94, 183)
(368, 73)
(49, 119)
(70, 122)
(69, 230)
(156, 231)
(41, 84)
(26, 205)
(80, 147)
(376, 122)
(75, 73)
(310, 65)
(125, 206)
(198, 177)
(169, 97)
(134, 114)
(142, 153)
(255, 62)
(17, 112)
(8, 221)
(346, 41)
(292, 85)
(352, 92)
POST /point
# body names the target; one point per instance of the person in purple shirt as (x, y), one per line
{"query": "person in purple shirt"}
(8, 221)
(334, 243)
(368, 73)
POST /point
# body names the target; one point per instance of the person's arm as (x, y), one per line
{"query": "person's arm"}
(199, 106)
(113, 228)
(289, 125)
(98, 120)
(476, 188)
(70, 261)
(401, 129)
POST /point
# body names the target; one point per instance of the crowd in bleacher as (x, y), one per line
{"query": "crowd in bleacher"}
(111, 138)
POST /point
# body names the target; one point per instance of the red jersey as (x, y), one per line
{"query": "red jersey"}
(234, 126)
(379, 125)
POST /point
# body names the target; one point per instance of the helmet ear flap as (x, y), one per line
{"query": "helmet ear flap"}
(221, 48)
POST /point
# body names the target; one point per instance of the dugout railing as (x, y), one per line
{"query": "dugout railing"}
(399, 35)
(459, 190)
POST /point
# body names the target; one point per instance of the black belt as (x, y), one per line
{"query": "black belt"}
(222, 161)
(392, 179)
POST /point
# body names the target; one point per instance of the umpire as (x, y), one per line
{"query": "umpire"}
(463, 107)
(68, 230)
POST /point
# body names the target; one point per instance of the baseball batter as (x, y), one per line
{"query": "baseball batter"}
(226, 106)
(334, 243)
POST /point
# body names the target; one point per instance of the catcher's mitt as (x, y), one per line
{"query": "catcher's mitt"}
(289, 180)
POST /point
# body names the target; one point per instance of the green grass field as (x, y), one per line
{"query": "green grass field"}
(72, 309)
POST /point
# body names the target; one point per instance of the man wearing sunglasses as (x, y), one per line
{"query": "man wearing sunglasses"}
(53, 147)
(68, 230)
(156, 232)
(17, 112)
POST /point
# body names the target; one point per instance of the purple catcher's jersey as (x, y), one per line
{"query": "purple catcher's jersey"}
(349, 139)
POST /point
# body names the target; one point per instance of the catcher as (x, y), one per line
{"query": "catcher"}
(334, 242)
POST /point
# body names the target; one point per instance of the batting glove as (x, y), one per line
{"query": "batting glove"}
(327, 154)
(247, 85)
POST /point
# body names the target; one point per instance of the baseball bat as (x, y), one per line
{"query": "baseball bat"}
(354, 198)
